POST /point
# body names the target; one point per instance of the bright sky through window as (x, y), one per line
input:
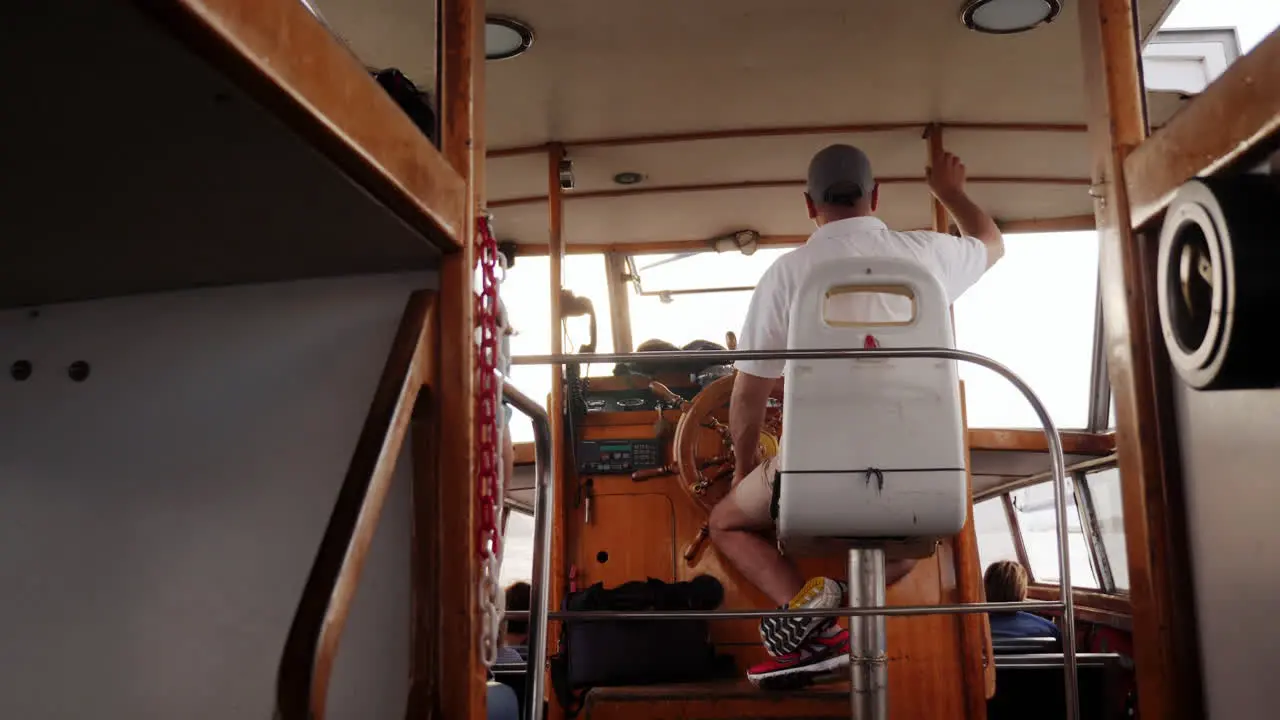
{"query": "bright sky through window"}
(1033, 312)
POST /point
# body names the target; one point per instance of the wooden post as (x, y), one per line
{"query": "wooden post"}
(615, 264)
(934, 135)
(977, 663)
(448, 679)
(556, 406)
(1164, 633)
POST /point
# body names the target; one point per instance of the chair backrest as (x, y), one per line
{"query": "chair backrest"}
(872, 449)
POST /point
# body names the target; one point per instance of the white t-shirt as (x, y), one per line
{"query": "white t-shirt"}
(957, 262)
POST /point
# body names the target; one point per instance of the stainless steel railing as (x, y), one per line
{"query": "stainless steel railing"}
(544, 495)
(542, 520)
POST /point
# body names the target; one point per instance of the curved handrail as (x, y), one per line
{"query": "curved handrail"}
(302, 681)
(937, 353)
(540, 588)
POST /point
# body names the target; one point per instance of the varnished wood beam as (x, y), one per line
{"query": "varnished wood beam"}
(933, 136)
(977, 661)
(556, 409)
(1164, 628)
(1221, 125)
(448, 676)
(289, 62)
(615, 265)
(643, 248)
(1042, 225)
(784, 131)
(1071, 223)
(770, 184)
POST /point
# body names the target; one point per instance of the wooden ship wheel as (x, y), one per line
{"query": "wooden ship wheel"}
(702, 448)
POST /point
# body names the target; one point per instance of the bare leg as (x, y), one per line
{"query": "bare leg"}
(738, 539)
(896, 570)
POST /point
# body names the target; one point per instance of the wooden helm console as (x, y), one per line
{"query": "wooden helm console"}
(702, 448)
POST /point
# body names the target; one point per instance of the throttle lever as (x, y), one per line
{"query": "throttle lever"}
(668, 395)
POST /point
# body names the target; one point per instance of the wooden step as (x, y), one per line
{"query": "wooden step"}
(717, 700)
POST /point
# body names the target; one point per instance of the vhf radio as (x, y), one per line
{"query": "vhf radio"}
(618, 457)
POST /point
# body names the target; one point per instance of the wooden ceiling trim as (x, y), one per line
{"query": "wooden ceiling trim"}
(1072, 223)
(757, 184)
(650, 248)
(785, 131)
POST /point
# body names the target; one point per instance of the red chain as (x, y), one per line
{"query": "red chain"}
(489, 540)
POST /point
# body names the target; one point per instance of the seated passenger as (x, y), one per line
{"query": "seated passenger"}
(1006, 581)
(515, 633)
(841, 198)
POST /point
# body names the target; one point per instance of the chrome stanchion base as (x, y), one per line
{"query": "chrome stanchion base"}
(868, 653)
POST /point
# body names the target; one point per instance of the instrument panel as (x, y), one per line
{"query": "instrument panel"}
(618, 457)
(626, 400)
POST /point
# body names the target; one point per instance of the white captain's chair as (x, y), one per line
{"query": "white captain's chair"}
(872, 449)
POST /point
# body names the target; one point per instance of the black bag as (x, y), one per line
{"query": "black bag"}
(414, 102)
(636, 652)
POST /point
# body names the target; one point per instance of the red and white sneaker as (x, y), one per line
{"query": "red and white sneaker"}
(785, 636)
(824, 653)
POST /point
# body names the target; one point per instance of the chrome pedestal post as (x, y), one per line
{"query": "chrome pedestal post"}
(868, 654)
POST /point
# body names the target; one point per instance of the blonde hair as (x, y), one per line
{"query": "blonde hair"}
(1005, 581)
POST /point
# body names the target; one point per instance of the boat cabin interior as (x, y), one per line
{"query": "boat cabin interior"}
(327, 320)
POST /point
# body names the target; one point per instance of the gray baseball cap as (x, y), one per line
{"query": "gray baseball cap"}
(840, 170)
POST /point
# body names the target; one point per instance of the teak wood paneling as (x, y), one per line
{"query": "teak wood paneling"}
(606, 550)
(292, 64)
(1164, 632)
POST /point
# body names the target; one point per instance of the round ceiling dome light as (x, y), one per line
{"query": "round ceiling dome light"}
(505, 37)
(628, 178)
(1003, 17)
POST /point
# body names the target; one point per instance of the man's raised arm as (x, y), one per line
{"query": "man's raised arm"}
(747, 406)
(947, 184)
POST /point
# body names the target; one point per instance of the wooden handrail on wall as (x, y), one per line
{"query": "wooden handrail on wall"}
(303, 680)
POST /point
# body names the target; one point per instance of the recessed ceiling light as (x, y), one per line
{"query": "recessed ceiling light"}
(505, 37)
(628, 178)
(1003, 17)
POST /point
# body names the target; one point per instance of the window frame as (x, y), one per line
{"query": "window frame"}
(1099, 559)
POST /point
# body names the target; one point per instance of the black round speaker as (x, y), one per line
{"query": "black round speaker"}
(1217, 282)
